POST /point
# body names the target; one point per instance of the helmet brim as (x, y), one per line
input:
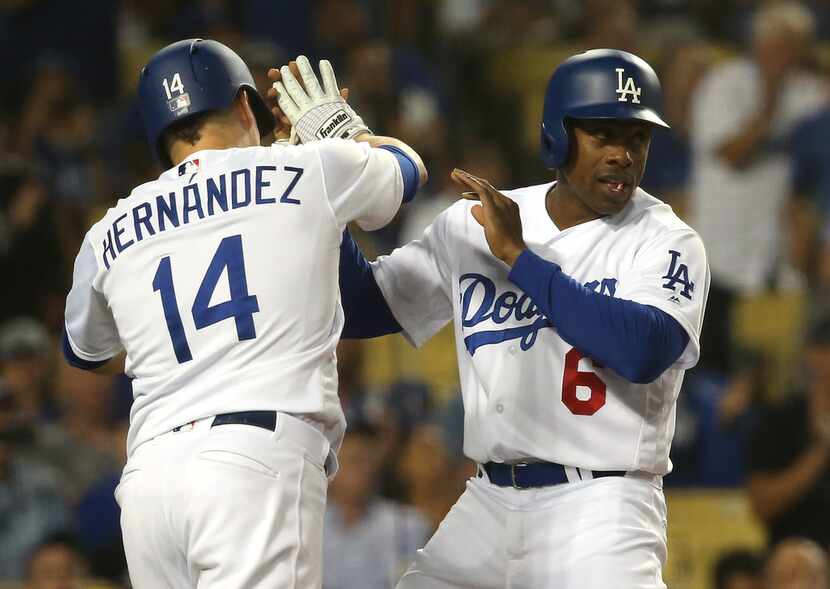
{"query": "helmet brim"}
(621, 111)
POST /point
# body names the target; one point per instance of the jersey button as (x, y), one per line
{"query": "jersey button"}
(499, 408)
(512, 350)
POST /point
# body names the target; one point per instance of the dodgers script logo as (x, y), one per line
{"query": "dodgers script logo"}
(505, 306)
(630, 88)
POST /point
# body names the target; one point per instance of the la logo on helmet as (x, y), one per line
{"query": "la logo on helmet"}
(629, 88)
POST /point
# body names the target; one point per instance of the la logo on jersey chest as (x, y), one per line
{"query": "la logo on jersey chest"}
(627, 87)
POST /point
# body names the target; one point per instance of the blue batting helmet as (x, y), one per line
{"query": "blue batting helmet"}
(191, 77)
(597, 84)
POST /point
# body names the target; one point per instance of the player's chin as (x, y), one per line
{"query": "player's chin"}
(614, 203)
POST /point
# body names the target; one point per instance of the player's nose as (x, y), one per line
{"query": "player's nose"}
(620, 156)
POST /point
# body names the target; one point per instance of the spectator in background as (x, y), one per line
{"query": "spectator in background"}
(25, 362)
(716, 418)
(737, 569)
(432, 473)
(83, 444)
(31, 508)
(368, 541)
(32, 262)
(260, 57)
(396, 90)
(668, 172)
(337, 27)
(57, 564)
(810, 208)
(822, 271)
(354, 394)
(68, 146)
(797, 563)
(612, 24)
(741, 167)
(484, 159)
(789, 483)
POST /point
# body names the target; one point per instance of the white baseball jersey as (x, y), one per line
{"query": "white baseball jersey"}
(220, 280)
(528, 394)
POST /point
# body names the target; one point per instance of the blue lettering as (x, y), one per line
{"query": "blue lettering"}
(500, 309)
(118, 232)
(678, 274)
(482, 313)
(235, 202)
(139, 220)
(197, 202)
(525, 308)
(609, 287)
(107, 245)
(298, 173)
(218, 194)
(167, 210)
(260, 184)
(505, 302)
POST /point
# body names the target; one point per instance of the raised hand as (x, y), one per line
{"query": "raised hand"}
(497, 214)
(309, 110)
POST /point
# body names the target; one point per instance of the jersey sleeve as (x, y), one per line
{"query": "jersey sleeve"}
(90, 329)
(416, 283)
(670, 273)
(363, 184)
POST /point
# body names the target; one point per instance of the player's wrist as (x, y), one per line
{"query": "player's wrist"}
(511, 254)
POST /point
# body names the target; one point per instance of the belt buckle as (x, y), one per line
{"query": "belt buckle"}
(513, 474)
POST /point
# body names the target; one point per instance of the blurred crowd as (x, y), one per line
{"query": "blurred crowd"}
(747, 92)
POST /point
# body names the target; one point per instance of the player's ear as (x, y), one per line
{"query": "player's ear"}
(242, 109)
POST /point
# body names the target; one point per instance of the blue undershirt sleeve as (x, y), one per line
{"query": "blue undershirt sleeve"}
(366, 313)
(74, 360)
(639, 342)
(409, 171)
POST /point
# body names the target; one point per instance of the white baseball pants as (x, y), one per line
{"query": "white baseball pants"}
(230, 507)
(594, 534)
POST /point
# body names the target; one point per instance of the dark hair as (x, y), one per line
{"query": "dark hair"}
(739, 561)
(188, 130)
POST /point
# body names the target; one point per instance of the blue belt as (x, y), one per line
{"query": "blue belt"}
(535, 474)
(264, 419)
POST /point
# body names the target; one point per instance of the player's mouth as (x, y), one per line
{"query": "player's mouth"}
(617, 186)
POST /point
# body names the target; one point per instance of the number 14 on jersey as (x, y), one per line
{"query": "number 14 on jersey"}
(241, 305)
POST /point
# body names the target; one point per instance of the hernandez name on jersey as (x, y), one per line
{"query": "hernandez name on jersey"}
(222, 279)
(527, 392)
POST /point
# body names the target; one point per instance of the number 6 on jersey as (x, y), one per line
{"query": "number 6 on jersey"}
(241, 305)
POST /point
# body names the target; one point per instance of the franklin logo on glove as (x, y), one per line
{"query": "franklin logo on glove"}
(336, 120)
(315, 111)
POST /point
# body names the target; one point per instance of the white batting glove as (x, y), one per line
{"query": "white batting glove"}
(315, 112)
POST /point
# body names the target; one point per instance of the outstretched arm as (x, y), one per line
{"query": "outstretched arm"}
(367, 313)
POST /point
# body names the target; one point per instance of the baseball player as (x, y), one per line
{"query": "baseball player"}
(577, 307)
(215, 288)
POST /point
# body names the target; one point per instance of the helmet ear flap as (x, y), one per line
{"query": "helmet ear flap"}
(555, 144)
(548, 149)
